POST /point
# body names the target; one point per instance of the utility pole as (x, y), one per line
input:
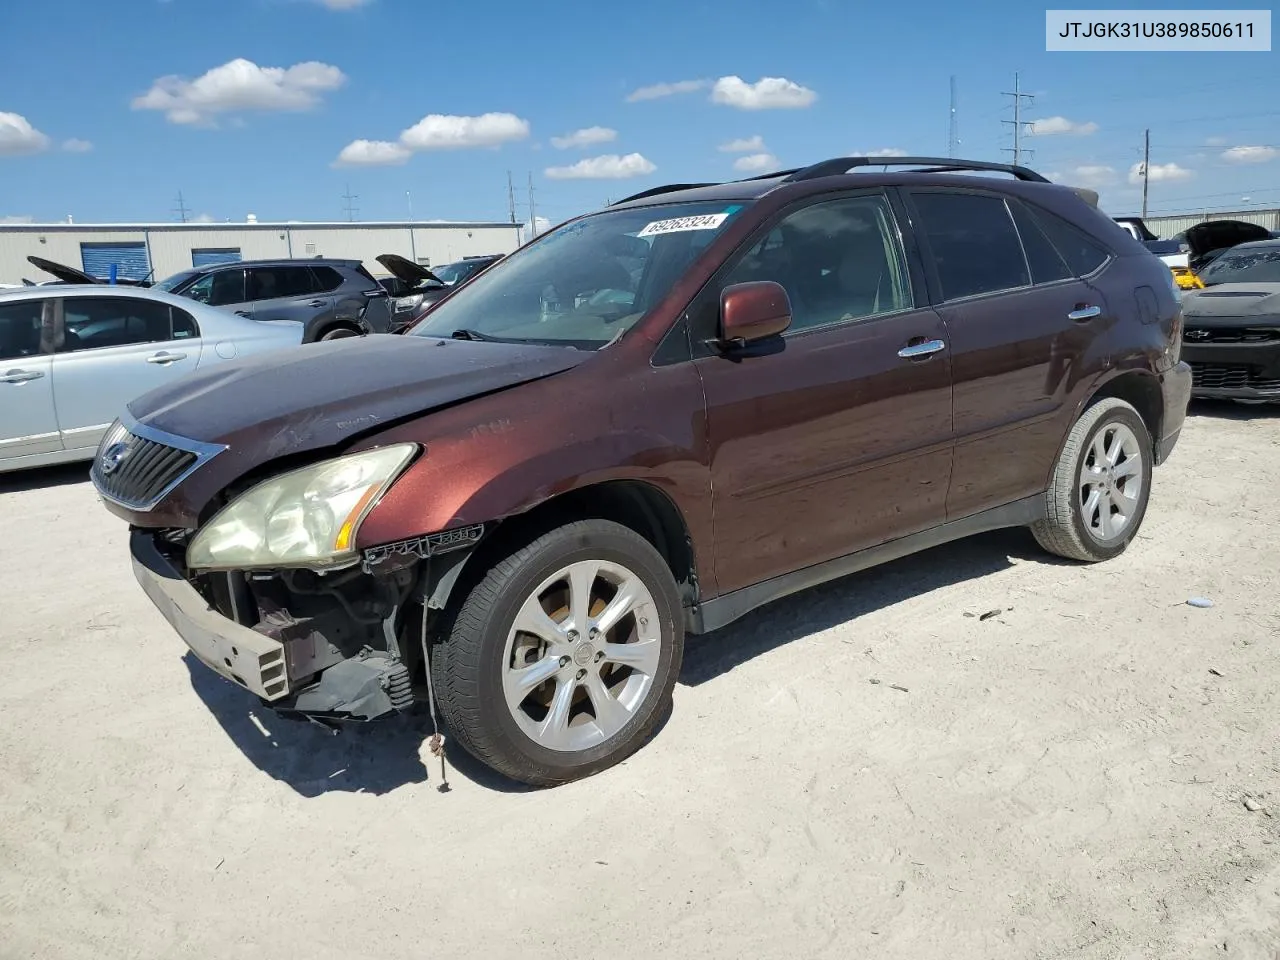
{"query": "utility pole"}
(349, 199)
(181, 209)
(953, 128)
(511, 197)
(408, 195)
(1146, 170)
(533, 213)
(1017, 121)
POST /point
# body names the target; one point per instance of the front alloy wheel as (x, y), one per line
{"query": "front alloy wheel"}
(561, 659)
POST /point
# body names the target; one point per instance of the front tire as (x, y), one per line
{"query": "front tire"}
(561, 660)
(1098, 494)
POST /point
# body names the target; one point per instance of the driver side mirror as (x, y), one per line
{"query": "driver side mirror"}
(753, 311)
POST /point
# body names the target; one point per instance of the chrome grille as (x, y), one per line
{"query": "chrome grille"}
(136, 466)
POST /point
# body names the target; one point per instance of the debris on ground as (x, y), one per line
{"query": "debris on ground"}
(1216, 672)
(1252, 805)
(894, 686)
(991, 613)
(874, 680)
(1202, 603)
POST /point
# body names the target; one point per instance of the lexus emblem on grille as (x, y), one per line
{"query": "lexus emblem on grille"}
(1197, 334)
(112, 457)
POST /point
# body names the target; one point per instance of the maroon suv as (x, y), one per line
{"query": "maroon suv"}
(648, 422)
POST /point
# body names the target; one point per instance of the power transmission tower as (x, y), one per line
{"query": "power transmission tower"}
(511, 197)
(349, 200)
(1017, 121)
(533, 213)
(1146, 169)
(181, 209)
(953, 128)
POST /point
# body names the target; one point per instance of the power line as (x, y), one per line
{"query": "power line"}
(349, 206)
(1018, 97)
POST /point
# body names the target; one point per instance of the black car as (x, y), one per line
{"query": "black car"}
(331, 298)
(1232, 333)
(415, 287)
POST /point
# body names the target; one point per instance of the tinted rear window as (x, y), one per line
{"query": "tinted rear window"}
(973, 242)
(1046, 263)
(1083, 255)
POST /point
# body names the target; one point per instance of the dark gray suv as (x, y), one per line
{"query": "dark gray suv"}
(330, 298)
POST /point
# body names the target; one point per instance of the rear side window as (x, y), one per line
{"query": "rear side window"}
(973, 243)
(184, 325)
(1082, 254)
(93, 323)
(327, 279)
(269, 283)
(1046, 263)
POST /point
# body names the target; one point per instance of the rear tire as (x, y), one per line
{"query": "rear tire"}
(561, 660)
(1098, 494)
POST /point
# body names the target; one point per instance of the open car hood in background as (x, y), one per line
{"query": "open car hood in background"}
(62, 271)
(404, 269)
(1219, 234)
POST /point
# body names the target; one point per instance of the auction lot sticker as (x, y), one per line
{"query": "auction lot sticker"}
(709, 221)
(1128, 31)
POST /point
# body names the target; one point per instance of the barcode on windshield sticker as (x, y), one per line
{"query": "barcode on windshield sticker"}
(710, 221)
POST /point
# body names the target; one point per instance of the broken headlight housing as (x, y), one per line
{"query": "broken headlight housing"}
(304, 518)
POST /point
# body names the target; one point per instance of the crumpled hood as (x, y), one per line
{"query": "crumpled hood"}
(320, 394)
(1234, 300)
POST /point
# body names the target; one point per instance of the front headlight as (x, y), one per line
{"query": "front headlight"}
(304, 518)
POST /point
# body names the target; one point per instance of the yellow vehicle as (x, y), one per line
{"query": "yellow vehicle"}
(1186, 279)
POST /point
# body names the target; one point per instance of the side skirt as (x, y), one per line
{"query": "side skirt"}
(721, 611)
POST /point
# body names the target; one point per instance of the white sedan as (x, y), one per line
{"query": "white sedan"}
(72, 357)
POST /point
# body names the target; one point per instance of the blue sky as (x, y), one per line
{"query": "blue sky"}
(108, 110)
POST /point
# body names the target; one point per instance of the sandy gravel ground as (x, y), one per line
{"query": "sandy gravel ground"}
(1065, 779)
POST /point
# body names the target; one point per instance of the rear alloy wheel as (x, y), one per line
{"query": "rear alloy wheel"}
(562, 658)
(1100, 487)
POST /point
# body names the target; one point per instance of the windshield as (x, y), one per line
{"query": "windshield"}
(170, 284)
(585, 283)
(1259, 265)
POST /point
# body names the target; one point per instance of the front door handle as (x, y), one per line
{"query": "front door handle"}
(166, 357)
(1082, 313)
(919, 349)
(319, 303)
(244, 313)
(21, 376)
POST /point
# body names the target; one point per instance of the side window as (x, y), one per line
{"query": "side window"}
(1083, 255)
(973, 243)
(268, 283)
(1046, 263)
(227, 287)
(201, 290)
(93, 323)
(20, 327)
(184, 325)
(327, 279)
(838, 260)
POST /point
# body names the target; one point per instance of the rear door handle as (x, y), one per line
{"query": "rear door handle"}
(166, 357)
(919, 349)
(21, 376)
(244, 313)
(318, 303)
(1082, 313)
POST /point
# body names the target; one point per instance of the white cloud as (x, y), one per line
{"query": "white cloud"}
(372, 153)
(238, 86)
(659, 90)
(882, 152)
(768, 93)
(540, 225)
(608, 167)
(756, 163)
(76, 145)
(203, 218)
(1216, 142)
(744, 145)
(1167, 172)
(1092, 175)
(444, 132)
(1051, 126)
(18, 136)
(1250, 154)
(586, 137)
(18, 218)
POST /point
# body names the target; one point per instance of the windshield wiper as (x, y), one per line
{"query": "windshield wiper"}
(465, 334)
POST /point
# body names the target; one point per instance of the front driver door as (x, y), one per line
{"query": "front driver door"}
(836, 436)
(115, 349)
(28, 424)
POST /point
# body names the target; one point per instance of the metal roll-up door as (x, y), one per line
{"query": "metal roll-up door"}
(129, 259)
(213, 257)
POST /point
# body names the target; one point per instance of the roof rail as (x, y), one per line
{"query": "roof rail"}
(842, 165)
(657, 191)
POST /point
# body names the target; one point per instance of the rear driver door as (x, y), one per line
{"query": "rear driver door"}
(287, 293)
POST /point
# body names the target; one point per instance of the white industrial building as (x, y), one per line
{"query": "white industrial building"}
(161, 249)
